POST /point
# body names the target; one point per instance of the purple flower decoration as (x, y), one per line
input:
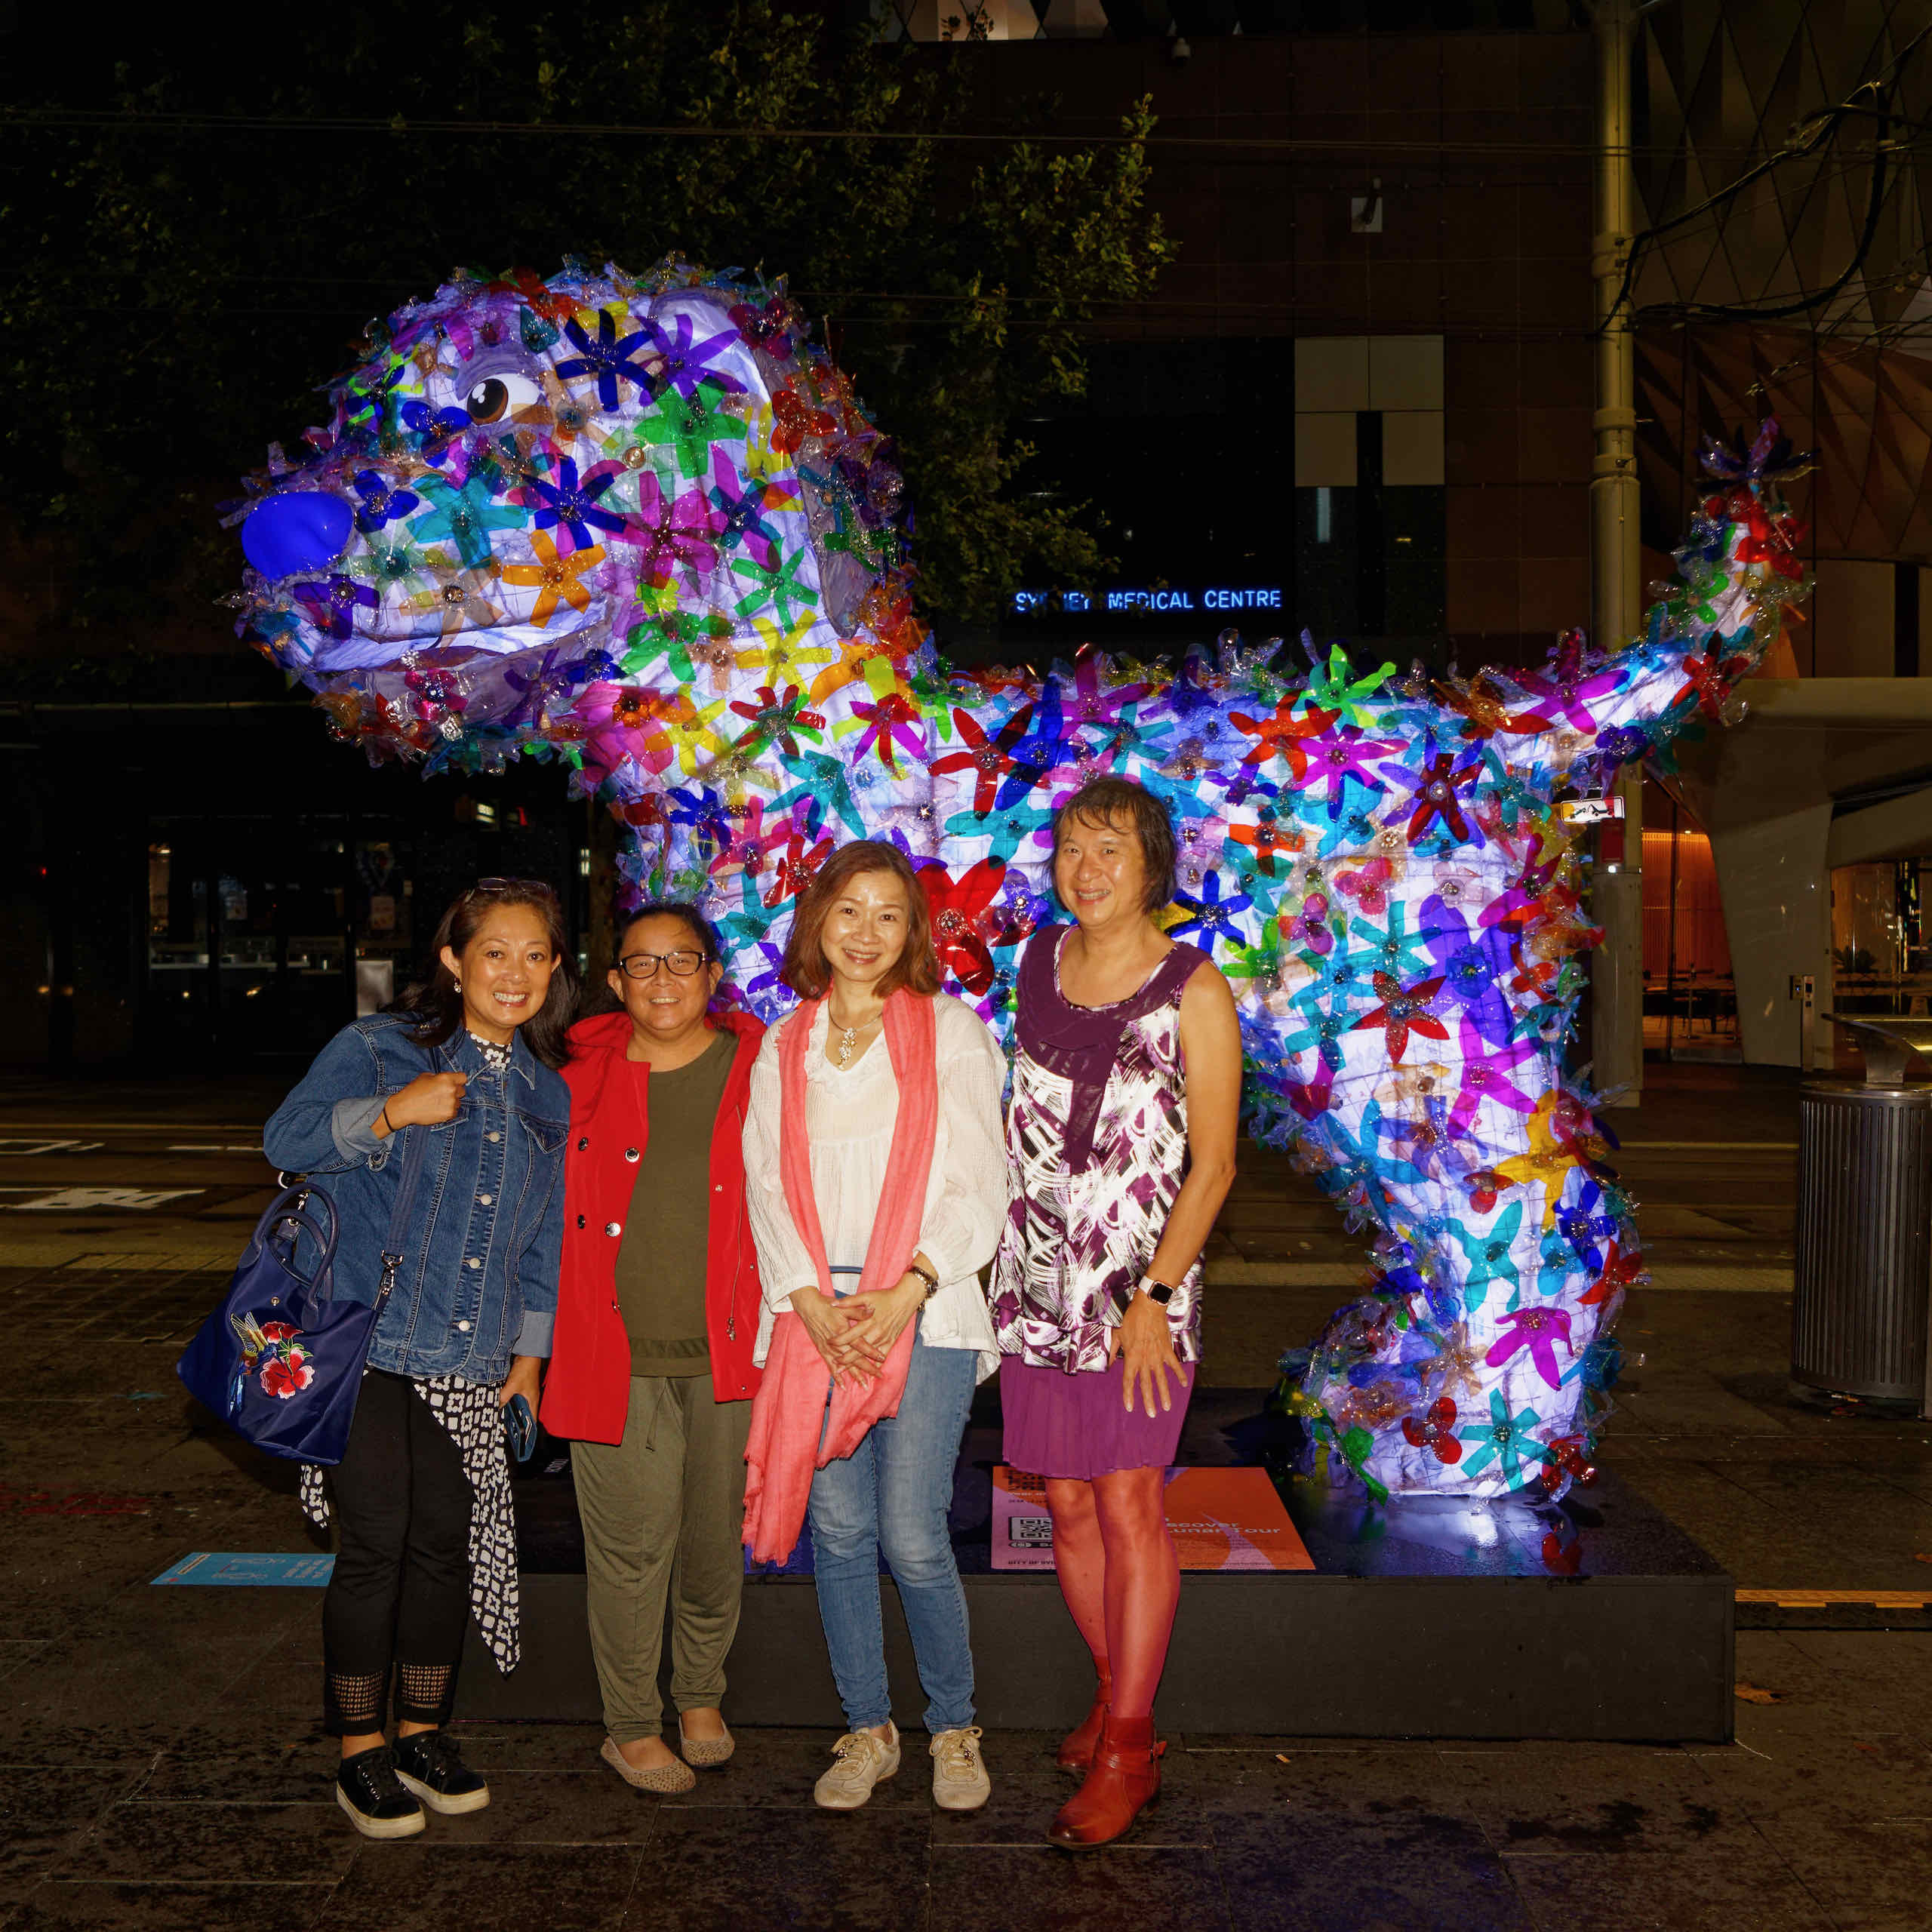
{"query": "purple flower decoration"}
(682, 364)
(741, 512)
(610, 358)
(563, 499)
(1618, 744)
(1338, 756)
(1485, 1076)
(333, 602)
(381, 503)
(1474, 966)
(673, 533)
(1539, 1329)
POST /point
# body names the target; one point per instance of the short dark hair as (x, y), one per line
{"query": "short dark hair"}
(1121, 803)
(436, 1004)
(695, 923)
(803, 969)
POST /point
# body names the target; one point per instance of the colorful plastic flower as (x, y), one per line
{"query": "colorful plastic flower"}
(1620, 1271)
(989, 759)
(1538, 1329)
(1488, 1253)
(381, 501)
(1266, 837)
(1404, 1010)
(684, 427)
(1483, 1073)
(608, 359)
(1283, 735)
(332, 602)
(960, 909)
(465, 515)
(744, 513)
(558, 578)
(1434, 1431)
(1437, 787)
(796, 868)
(778, 589)
(1582, 1224)
(779, 719)
(891, 723)
(1210, 916)
(1505, 1440)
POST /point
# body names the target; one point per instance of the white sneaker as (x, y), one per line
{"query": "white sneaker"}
(860, 1760)
(960, 1782)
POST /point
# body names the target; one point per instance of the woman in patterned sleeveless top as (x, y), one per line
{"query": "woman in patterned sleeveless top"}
(1121, 1142)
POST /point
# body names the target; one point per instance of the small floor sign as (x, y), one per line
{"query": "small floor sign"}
(251, 1569)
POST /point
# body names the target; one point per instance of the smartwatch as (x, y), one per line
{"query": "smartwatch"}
(1156, 1291)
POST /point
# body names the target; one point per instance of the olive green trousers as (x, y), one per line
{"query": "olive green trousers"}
(662, 1512)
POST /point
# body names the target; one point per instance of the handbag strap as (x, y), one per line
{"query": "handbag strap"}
(405, 1200)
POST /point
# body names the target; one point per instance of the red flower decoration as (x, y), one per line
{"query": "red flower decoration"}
(1404, 1010)
(1284, 732)
(1435, 1431)
(959, 907)
(797, 422)
(1620, 1272)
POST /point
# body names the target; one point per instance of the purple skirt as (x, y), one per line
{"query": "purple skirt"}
(1076, 1426)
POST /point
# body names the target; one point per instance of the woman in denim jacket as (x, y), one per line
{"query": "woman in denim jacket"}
(464, 1065)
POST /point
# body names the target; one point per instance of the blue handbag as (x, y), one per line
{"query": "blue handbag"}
(281, 1359)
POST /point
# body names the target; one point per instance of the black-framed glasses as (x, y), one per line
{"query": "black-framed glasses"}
(644, 965)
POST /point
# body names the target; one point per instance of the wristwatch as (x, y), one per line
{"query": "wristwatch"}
(1156, 1291)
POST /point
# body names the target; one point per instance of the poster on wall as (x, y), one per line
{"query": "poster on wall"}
(1220, 1519)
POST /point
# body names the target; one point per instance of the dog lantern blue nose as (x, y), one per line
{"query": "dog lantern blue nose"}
(301, 531)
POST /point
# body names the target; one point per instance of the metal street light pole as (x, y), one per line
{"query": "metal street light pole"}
(1616, 972)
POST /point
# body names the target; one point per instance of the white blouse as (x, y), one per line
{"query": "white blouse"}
(849, 1118)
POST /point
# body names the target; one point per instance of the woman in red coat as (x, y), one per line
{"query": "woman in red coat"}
(651, 1373)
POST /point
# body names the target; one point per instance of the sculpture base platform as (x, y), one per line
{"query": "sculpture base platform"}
(1594, 1619)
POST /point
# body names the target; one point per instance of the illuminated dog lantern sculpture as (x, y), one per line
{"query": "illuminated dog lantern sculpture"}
(642, 526)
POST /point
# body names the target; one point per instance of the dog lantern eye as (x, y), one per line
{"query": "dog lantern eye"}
(492, 398)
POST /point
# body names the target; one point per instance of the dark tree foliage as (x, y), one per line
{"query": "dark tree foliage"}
(196, 226)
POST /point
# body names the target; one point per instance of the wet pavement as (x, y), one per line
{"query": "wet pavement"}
(165, 1767)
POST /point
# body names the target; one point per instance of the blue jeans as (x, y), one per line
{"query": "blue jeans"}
(892, 1494)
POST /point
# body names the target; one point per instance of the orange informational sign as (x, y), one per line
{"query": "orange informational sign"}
(1221, 1519)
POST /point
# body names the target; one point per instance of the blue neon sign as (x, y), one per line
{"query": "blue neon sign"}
(1139, 603)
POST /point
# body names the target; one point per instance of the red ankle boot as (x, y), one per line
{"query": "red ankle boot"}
(1076, 1750)
(1125, 1777)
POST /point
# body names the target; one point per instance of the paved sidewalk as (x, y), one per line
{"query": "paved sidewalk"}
(163, 1768)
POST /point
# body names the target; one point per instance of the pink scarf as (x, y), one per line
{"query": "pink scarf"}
(789, 1409)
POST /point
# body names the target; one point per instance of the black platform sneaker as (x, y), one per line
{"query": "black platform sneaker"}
(367, 1788)
(428, 1763)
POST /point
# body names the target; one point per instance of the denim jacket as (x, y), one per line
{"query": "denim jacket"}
(478, 1278)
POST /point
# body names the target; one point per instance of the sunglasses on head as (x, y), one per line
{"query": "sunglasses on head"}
(540, 887)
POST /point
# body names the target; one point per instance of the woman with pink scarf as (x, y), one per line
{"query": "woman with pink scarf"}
(875, 1167)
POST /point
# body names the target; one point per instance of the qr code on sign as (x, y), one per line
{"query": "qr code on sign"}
(1031, 1532)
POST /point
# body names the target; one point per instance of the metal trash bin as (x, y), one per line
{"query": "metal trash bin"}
(1864, 1247)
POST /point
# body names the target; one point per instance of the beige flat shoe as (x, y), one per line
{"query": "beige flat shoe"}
(668, 1778)
(706, 1753)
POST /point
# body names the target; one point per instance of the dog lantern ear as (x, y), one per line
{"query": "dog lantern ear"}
(301, 530)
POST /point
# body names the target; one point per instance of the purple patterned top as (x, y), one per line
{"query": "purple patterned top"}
(1097, 1151)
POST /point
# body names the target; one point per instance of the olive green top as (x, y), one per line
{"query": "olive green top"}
(667, 1233)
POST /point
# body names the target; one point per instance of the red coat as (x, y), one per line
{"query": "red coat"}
(586, 1392)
